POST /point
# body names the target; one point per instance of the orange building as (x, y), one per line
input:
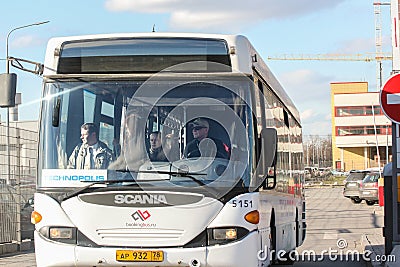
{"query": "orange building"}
(359, 128)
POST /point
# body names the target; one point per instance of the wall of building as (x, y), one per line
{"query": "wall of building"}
(341, 88)
(354, 158)
(354, 151)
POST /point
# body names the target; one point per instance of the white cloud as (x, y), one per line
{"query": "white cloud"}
(328, 116)
(315, 121)
(144, 6)
(317, 127)
(211, 14)
(357, 45)
(307, 86)
(199, 21)
(25, 41)
(306, 114)
(310, 92)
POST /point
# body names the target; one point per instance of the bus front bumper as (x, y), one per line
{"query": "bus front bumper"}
(235, 254)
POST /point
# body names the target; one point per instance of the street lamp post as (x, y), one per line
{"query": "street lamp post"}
(8, 35)
(8, 136)
(8, 109)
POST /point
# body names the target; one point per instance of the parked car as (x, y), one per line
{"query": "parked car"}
(337, 172)
(8, 202)
(369, 188)
(352, 185)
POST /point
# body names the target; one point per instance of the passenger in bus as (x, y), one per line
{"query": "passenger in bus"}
(116, 148)
(202, 144)
(156, 152)
(91, 153)
(171, 147)
(133, 148)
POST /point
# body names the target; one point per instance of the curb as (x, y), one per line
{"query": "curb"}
(13, 247)
(375, 249)
(322, 185)
(395, 255)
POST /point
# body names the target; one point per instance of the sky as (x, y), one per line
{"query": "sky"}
(274, 27)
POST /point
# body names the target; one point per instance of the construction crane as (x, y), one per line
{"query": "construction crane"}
(378, 56)
(369, 57)
(378, 40)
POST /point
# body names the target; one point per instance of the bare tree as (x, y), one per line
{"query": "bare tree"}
(317, 150)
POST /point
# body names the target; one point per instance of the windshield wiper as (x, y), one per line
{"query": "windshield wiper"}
(81, 189)
(189, 175)
(180, 174)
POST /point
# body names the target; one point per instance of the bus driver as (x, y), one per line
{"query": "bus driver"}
(91, 153)
(200, 129)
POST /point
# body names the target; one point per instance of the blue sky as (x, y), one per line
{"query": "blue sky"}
(275, 27)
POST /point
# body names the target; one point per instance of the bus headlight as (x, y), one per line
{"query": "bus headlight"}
(62, 234)
(67, 235)
(225, 235)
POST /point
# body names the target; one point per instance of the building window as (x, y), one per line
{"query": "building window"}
(363, 130)
(357, 111)
(377, 111)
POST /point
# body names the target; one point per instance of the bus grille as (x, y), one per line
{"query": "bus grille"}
(140, 234)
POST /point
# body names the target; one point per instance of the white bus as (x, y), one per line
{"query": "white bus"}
(239, 206)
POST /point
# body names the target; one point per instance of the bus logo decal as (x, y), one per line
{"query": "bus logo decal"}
(140, 198)
(141, 215)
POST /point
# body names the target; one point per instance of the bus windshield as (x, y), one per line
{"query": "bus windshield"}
(144, 130)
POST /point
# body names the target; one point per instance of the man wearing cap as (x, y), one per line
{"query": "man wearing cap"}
(202, 144)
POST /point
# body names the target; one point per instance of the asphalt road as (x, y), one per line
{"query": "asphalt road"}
(334, 227)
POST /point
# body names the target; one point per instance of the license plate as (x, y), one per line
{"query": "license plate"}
(351, 185)
(140, 255)
(366, 193)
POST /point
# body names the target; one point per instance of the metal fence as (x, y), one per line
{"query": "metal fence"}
(18, 157)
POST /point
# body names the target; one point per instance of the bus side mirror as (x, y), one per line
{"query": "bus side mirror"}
(269, 147)
(8, 87)
(269, 141)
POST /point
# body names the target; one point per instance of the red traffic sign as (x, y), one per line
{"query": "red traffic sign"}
(390, 98)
